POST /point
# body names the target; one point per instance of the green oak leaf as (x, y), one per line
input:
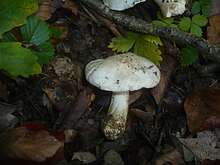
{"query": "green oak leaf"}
(35, 31)
(13, 13)
(17, 60)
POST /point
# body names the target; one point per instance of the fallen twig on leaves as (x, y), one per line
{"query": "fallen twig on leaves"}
(182, 38)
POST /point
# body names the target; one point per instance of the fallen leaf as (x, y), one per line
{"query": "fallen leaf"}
(32, 142)
(44, 11)
(168, 65)
(85, 157)
(173, 157)
(202, 109)
(203, 146)
(213, 31)
(69, 118)
(7, 119)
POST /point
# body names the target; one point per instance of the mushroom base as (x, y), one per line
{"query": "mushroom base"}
(115, 122)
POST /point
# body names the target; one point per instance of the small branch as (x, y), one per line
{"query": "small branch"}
(210, 51)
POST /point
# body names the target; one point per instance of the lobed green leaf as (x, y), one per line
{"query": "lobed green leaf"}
(199, 20)
(190, 55)
(148, 50)
(122, 44)
(14, 13)
(17, 60)
(185, 24)
(35, 31)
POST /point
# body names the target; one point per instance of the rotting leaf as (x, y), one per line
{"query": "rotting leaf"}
(71, 116)
(202, 109)
(31, 142)
(173, 157)
(213, 31)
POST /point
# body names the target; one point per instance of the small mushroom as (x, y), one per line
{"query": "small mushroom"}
(120, 74)
(121, 4)
(171, 8)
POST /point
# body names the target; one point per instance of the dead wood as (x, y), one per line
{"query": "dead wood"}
(181, 38)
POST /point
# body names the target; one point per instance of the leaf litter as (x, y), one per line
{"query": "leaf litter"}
(151, 119)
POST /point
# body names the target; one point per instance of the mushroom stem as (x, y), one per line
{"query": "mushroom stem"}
(115, 121)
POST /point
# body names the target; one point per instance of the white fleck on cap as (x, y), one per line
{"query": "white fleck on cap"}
(122, 72)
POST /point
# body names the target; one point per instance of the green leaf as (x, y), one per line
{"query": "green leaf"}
(160, 23)
(121, 44)
(190, 55)
(196, 7)
(153, 39)
(199, 20)
(13, 13)
(17, 60)
(44, 52)
(201, 6)
(56, 32)
(8, 37)
(185, 24)
(147, 50)
(206, 11)
(165, 21)
(196, 30)
(35, 31)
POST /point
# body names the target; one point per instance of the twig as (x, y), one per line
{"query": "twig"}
(182, 38)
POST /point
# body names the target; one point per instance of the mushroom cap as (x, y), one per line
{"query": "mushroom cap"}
(121, 4)
(171, 8)
(122, 72)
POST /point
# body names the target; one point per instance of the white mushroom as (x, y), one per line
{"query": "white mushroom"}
(171, 8)
(120, 74)
(121, 4)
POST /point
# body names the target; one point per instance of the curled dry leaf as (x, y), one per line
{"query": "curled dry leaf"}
(44, 11)
(202, 109)
(31, 142)
(213, 31)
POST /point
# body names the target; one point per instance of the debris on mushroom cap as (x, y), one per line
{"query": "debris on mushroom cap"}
(171, 7)
(121, 4)
(123, 72)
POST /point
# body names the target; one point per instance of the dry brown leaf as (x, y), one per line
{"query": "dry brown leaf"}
(167, 67)
(202, 109)
(173, 157)
(71, 116)
(44, 11)
(213, 31)
(34, 145)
